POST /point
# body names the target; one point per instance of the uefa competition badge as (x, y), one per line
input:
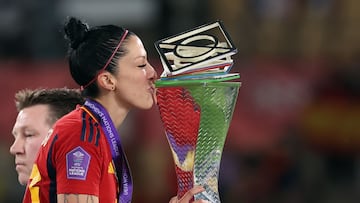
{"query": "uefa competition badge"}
(196, 96)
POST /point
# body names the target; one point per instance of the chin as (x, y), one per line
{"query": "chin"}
(22, 181)
(146, 106)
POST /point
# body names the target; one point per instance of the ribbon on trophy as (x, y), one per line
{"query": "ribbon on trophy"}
(196, 100)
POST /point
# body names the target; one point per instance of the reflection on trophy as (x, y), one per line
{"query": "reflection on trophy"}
(196, 101)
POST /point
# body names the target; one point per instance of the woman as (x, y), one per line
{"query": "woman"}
(82, 160)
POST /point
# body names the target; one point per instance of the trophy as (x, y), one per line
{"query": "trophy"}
(196, 100)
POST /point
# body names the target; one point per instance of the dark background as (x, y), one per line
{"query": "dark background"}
(295, 133)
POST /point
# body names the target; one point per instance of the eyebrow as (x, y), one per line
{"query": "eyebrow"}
(141, 56)
(139, 59)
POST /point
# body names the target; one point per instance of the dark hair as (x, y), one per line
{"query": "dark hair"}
(90, 49)
(60, 100)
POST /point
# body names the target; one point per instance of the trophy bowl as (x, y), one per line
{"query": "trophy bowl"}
(196, 116)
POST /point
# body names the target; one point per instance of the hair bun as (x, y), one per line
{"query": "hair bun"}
(75, 31)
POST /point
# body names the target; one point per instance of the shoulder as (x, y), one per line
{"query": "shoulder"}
(78, 126)
(77, 132)
(71, 119)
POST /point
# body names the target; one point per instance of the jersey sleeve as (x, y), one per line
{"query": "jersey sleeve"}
(77, 158)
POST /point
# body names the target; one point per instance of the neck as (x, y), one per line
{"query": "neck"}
(117, 112)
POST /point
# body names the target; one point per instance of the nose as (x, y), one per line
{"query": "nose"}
(17, 147)
(152, 74)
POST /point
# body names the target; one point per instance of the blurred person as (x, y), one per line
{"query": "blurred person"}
(37, 111)
(83, 160)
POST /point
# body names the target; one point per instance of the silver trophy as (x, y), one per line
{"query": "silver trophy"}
(196, 100)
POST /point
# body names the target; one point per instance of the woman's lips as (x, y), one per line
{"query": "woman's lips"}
(152, 90)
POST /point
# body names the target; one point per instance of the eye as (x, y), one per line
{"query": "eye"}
(28, 134)
(142, 66)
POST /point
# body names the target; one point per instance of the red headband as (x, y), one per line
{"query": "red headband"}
(108, 61)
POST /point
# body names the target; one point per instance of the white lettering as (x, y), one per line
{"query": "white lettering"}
(107, 128)
(76, 172)
(125, 184)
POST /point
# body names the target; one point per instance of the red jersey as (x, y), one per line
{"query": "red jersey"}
(74, 159)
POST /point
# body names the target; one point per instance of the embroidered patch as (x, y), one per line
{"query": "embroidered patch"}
(77, 164)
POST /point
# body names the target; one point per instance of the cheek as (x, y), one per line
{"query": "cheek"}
(135, 81)
(133, 86)
(134, 76)
(33, 146)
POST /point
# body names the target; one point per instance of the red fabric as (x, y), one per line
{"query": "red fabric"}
(76, 129)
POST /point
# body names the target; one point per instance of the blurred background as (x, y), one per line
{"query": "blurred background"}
(295, 133)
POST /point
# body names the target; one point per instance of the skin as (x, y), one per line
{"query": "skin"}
(29, 131)
(132, 87)
(134, 83)
(189, 195)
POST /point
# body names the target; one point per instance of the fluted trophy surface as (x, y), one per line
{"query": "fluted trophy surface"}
(196, 119)
(196, 101)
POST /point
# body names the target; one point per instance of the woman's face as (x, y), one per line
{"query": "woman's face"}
(135, 77)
